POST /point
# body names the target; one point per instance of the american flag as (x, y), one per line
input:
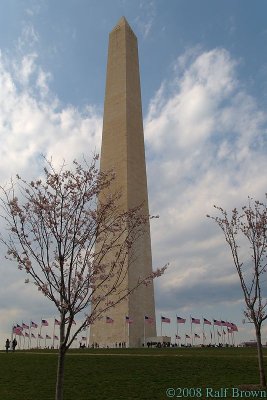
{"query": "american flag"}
(26, 334)
(206, 321)
(234, 327)
(149, 319)
(217, 323)
(187, 336)
(109, 320)
(40, 336)
(25, 326)
(84, 338)
(128, 320)
(180, 320)
(17, 331)
(55, 337)
(33, 335)
(47, 337)
(33, 325)
(165, 319)
(44, 322)
(195, 320)
(178, 337)
(57, 322)
(196, 335)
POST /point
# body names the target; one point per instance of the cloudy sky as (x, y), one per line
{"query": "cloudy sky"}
(203, 71)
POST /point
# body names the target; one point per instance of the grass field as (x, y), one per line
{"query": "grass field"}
(127, 374)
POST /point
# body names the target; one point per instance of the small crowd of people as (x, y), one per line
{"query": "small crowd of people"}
(12, 344)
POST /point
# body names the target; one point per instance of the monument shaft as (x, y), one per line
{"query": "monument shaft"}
(123, 151)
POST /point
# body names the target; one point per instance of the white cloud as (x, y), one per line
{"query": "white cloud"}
(32, 123)
(206, 144)
(145, 20)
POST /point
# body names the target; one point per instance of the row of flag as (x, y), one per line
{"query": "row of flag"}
(230, 325)
(196, 335)
(18, 328)
(148, 319)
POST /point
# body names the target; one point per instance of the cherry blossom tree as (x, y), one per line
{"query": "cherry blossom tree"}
(62, 229)
(245, 232)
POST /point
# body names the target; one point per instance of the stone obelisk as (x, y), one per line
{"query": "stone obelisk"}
(123, 151)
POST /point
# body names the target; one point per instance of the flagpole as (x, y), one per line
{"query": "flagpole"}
(221, 329)
(87, 335)
(144, 330)
(54, 332)
(191, 331)
(203, 336)
(214, 333)
(177, 330)
(39, 337)
(12, 332)
(128, 336)
(29, 338)
(161, 325)
(125, 329)
(30, 335)
(20, 339)
(23, 336)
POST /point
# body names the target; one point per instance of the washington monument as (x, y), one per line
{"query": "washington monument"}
(123, 151)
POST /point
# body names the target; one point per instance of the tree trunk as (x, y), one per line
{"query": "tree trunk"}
(260, 357)
(60, 373)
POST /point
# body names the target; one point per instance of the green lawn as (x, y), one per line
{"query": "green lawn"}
(126, 374)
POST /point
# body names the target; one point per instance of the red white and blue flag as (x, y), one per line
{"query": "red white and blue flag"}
(25, 326)
(44, 322)
(195, 320)
(47, 337)
(180, 320)
(55, 337)
(128, 320)
(17, 331)
(57, 322)
(165, 319)
(206, 321)
(217, 323)
(149, 319)
(109, 320)
(33, 325)
(196, 335)
(234, 327)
